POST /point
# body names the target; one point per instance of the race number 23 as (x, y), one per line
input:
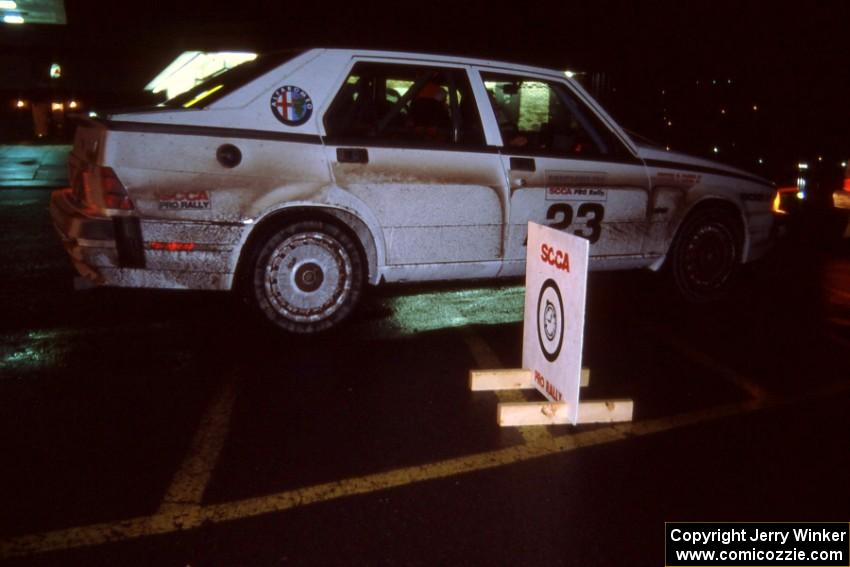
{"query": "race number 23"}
(591, 213)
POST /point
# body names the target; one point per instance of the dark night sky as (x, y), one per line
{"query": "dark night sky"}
(791, 58)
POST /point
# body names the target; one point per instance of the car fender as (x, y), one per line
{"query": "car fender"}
(703, 196)
(342, 206)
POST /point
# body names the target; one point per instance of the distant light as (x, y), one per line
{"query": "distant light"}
(714, 81)
(57, 106)
(668, 148)
(843, 164)
(801, 184)
(777, 204)
(820, 158)
(13, 19)
(20, 103)
(716, 150)
(761, 160)
(55, 71)
(92, 114)
(728, 81)
(669, 123)
(8, 5)
(663, 92)
(190, 68)
(73, 104)
(801, 195)
(755, 107)
(802, 165)
(569, 74)
(722, 111)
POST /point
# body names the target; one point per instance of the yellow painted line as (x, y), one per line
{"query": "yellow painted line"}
(189, 483)
(192, 517)
(486, 359)
(754, 390)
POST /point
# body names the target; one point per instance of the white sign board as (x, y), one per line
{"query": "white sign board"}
(553, 329)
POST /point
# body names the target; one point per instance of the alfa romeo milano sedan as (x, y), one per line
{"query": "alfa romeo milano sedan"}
(299, 177)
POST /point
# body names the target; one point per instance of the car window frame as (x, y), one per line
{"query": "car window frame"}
(620, 151)
(452, 71)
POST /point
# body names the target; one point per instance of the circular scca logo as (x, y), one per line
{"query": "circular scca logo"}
(550, 320)
(291, 105)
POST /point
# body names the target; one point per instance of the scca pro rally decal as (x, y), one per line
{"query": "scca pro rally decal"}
(550, 320)
(576, 186)
(291, 105)
(184, 200)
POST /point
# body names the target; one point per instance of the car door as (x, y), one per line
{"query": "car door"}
(565, 169)
(406, 139)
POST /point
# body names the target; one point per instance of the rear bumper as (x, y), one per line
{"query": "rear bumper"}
(110, 251)
(96, 243)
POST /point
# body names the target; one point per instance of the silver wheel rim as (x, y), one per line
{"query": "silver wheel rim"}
(308, 277)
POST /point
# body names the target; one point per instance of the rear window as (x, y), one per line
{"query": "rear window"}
(225, 82)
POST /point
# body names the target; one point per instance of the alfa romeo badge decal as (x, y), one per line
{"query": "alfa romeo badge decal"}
(550, 320)
(291, 105)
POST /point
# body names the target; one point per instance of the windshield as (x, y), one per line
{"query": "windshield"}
(226, 81)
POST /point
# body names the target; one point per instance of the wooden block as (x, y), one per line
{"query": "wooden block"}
(510, 379)
(507, 379)
(605, 411)
(517, 414)
(532, 413)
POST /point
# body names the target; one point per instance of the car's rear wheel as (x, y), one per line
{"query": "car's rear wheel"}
(705, 255)
(307, 277)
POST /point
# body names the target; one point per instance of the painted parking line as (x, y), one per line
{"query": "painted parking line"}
(189, 483)
(721, 370)
(174, 521)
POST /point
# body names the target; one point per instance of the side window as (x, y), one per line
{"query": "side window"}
(539, 116)
(405, 105)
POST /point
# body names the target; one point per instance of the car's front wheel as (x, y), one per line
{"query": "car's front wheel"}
(307, 277)
(705, 255)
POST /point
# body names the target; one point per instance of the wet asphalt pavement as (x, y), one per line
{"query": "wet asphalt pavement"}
(167, 428)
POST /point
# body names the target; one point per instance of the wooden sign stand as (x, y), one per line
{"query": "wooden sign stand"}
(515, 414)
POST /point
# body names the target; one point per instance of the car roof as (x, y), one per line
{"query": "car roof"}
(442, 58)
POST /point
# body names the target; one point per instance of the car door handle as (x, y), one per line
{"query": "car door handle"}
(522, 164)
(352, 155)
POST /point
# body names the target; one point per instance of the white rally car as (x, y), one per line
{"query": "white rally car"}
(301, 176)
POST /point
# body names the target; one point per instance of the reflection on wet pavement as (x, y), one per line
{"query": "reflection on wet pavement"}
(412, 310)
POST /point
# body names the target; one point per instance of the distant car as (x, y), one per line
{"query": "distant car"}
(299, 177)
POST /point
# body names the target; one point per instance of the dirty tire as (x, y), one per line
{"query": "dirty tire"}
(704, 256)
(307, 277)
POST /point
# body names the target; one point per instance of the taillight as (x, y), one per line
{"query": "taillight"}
(114, 194)
(102, 181)
(847, 184)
